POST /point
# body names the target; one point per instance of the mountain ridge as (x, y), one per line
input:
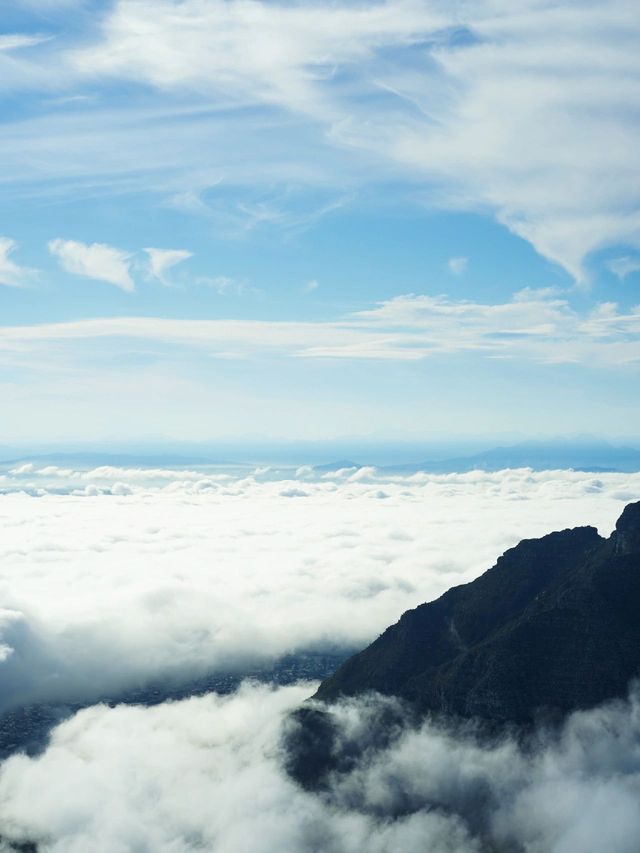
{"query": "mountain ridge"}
(550, 628)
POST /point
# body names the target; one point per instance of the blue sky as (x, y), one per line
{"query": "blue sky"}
(307, 220)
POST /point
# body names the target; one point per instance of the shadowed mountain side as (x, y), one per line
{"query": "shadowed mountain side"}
(552, 627)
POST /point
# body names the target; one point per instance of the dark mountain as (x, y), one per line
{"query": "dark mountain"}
(552, 627)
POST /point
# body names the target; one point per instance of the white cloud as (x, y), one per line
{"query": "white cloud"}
(487, 106)
(261, 53)
(208, 774)
(95, 260)
(11, 274)
(160, 575)
(311, 285)
(624, 265)
(517, 119)
(458, 265)
(535, 325)
(17, 41)
(163, 260)
(167, 575)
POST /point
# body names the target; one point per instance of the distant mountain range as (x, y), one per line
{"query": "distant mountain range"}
(591, 455)
(541, 456)
(583, 453)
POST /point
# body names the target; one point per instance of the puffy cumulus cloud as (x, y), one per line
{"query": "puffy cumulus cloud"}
(96, 260)
(110, 581)
(208, 773)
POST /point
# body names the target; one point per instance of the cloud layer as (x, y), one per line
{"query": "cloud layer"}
(115, 577)
(134, 576)
(208, 774)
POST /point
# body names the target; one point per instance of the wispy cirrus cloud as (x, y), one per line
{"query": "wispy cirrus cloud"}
(515, 117)
(251, 54)
(97, 261)
(161, 261)
(624, 266)
(17, 41)
(458, 266)
(11, 273)
(484, 107)
(537, 326)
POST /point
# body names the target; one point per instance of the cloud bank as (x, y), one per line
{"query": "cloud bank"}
(208, 774)
(134, 576)
(115, 577)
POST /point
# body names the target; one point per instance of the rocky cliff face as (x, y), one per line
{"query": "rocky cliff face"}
(552, 627)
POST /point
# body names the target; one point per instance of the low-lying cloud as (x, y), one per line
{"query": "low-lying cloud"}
(208, 774)
(131, 577)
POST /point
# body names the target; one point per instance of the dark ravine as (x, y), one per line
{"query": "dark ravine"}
(553, 627)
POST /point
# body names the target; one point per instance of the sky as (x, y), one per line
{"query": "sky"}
(305, 220)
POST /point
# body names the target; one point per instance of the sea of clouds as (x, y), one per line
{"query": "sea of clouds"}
(131, 575)
(112, 578)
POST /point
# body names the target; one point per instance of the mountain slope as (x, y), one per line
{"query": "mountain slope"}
(553, 626)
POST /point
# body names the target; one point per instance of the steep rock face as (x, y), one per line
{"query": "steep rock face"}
(553, 626)
(627, 533)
